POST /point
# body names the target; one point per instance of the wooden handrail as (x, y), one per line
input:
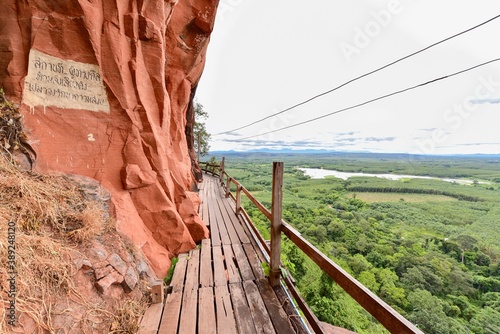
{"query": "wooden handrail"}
(252, 199)
(207, 170)
(310, 316)
(380, 310)
(385, 314)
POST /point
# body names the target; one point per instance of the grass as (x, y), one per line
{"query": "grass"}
(374, 197)
(126, 319)
(54, 223)
(170, 273)
(52, 219)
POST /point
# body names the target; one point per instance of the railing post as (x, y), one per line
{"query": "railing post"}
(276, 210)
(228, 185)
(221, 171)
(238, 199)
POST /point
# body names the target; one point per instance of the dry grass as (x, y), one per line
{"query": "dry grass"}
(12, 136)
(127, 316)
(35, 200)
(11, 133)
(54, 220)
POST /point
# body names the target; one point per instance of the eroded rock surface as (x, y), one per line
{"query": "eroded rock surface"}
(105, 88)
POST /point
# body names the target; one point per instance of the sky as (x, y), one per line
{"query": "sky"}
(267, 55)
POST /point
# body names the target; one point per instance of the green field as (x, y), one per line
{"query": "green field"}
(369, 197)
(429, 248)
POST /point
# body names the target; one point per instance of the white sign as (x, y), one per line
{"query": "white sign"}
(52, 81)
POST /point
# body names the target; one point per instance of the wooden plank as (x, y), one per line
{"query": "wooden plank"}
(187, 322)
(232, 271)
(170, 319)
(243, 263)
(214, 227)
(235, 222)
(276, 209)
(278, 316)
(224, 311)
(242, 312)
(219, 272)
(252, 230)
(210, 189)
(213, 184)
(379, 309)
(217, 189)
(151, 319)
(206, 312)
(260, 316)
(255, 263)
(233, 236)
(219, 220)
(206, 272)
(192, 270)
(208, 195)
(204, 210)
(177, 282)
(238, 226)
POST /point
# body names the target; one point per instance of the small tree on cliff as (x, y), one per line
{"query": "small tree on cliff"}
(200, 129)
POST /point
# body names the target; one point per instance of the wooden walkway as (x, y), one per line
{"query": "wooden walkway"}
(220, 287)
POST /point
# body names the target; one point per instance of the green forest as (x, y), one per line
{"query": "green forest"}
(429, 248)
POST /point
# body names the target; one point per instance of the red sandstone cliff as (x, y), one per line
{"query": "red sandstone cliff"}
(104, 88)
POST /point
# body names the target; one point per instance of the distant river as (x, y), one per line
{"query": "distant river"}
(316, 173)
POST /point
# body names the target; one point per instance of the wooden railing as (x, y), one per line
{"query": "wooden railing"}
(210, 168)
(379, 309)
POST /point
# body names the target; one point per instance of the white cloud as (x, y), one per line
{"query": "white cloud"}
(261, 61)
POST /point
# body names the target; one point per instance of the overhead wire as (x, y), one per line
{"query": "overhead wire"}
(361, 76)
(372, 100)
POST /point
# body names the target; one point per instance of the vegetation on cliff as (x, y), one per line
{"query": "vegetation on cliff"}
(201, 135)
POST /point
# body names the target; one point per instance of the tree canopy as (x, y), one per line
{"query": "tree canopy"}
(200, 130)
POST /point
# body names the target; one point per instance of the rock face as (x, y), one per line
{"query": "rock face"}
(105, 88)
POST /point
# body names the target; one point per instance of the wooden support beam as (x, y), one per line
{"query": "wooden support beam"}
(228, 186)
(221, 170)
(276, 210)
(157, 293)
(238, 200)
